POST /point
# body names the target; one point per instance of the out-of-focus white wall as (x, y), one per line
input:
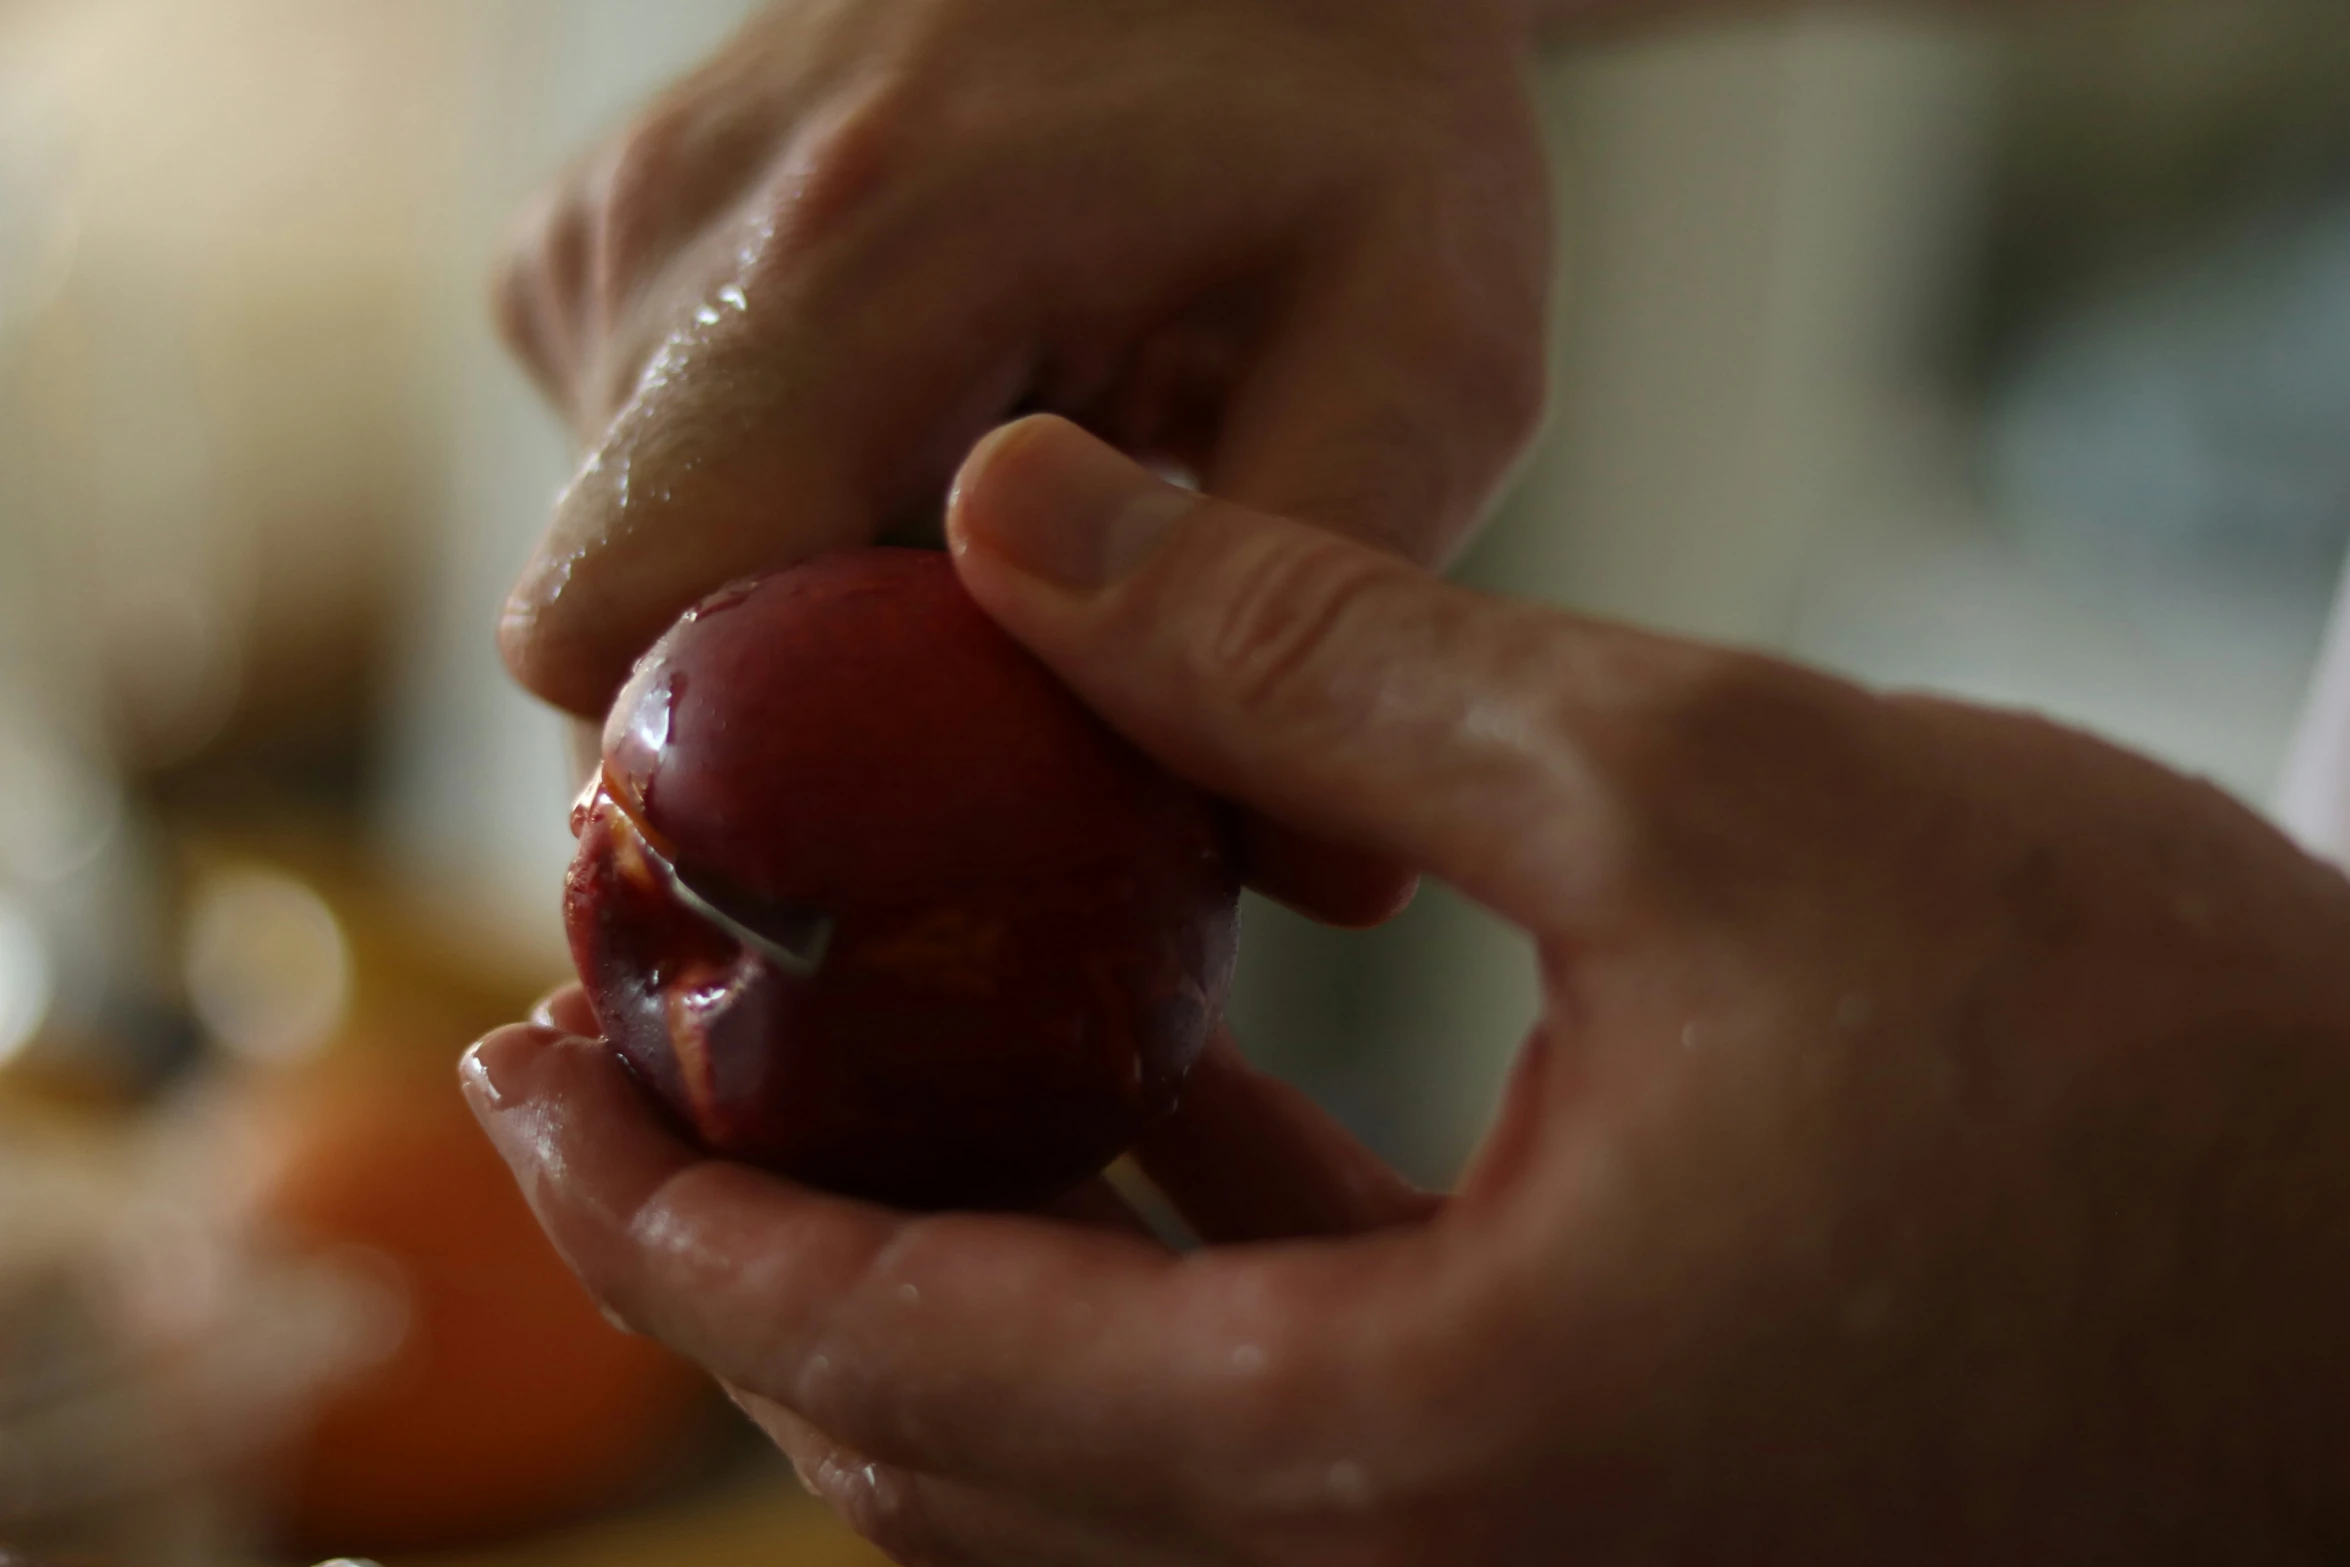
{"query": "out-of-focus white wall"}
(216, 214)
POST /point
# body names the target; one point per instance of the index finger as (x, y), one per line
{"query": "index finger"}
(1006, 1350)
(815, 398)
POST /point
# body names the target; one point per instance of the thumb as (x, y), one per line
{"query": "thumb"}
(1327, 684)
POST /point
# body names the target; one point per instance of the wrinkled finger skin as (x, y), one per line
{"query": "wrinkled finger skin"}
(1935, 1145)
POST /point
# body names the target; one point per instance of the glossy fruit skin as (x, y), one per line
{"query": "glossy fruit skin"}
(1031, 925)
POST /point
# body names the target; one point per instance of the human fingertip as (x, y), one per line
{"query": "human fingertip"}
(546, 659)
(498, 1072)
(1363, 899)
(1056, 504)
(518, 633)
(565, 1008)
(578, 613)
(977, 476)
(540, 586)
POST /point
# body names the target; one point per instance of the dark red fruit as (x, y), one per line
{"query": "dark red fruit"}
(866, 896)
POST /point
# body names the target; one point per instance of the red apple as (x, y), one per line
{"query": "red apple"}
(865, 896)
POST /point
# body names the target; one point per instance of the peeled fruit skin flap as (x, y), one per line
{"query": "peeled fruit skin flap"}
(865, 896)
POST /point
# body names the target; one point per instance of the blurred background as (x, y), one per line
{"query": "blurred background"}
(2013, 362)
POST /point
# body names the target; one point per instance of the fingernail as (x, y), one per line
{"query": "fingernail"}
(492, 1072)
(565, 1009)
(1062, 505)
(475, 1080)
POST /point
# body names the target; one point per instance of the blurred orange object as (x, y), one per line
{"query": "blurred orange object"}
(505, 1401)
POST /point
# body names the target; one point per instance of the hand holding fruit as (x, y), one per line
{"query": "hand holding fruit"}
(1934, 1147)
(867, 897)
(1302, 248)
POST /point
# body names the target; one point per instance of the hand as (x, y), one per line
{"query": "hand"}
(1935, 1147)
(1299, 247)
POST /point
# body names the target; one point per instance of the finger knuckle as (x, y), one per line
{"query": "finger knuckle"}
(1480, 308)
(1274, 650)
(642, 174)
(1737, 709)
(539, 278)
(1389, 478)
(514, 295)
(1727, 743)
(838, 163)
(1487, 352)
(1509, 377)
(566, 256)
